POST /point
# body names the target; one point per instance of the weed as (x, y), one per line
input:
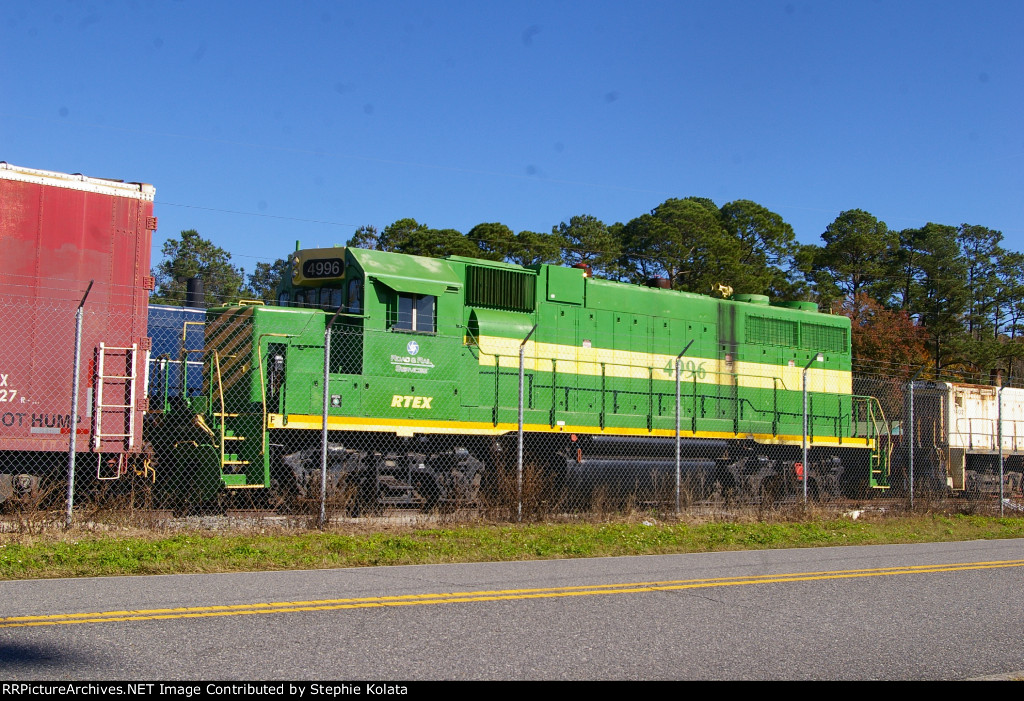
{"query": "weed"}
(508, 496)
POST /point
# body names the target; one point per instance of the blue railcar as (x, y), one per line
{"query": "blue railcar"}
(175, 361)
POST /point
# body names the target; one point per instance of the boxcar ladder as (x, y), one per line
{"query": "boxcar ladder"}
(115, 398)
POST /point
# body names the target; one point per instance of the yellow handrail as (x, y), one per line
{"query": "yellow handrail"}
(871, 402)
(223, 412)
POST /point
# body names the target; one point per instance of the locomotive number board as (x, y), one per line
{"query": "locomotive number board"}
(318, 268)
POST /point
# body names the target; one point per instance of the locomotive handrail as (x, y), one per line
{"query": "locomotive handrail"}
(259, 364)
(166, 357)
(888, 448)
(351, 314)
(985, 437)
(869, 402)
(184, 334)
(200, 423)
(220, 391)
(969, 435)
(710, 381)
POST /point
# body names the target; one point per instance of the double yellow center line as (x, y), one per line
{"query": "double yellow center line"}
(486, 595)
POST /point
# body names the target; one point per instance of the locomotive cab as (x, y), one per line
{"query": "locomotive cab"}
(315, 279)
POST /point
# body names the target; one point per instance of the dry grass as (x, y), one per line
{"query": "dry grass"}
(116, 544)
(117, 532)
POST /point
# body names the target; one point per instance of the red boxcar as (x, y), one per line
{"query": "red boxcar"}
(58, 232)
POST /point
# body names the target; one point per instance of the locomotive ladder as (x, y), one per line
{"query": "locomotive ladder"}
(230, 462)
(880, 463)
(121, 383)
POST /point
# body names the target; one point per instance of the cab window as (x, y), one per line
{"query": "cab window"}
(355, 296)
(416, 313)
(330, 298)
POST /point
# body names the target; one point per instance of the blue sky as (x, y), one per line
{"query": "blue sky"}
(265, 123)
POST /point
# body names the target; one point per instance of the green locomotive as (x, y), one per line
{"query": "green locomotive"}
(424, 387)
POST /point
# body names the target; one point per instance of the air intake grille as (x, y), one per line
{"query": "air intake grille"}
(771, 332)
(817, 337)
(500, 289)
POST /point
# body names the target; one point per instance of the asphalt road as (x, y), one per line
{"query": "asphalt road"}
(936, 611)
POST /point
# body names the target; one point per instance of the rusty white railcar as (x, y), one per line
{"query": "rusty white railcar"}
(959, 432)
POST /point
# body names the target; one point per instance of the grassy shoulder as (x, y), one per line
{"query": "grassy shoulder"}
(87, 552)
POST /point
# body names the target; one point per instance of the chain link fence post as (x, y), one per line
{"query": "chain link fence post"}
(323, 433)
(817, 357)
(910, 442)
(519, 458)
(910, 435)
(679, 446)
(73, 443)
(679, 418)
(999, 447)
(519, 441)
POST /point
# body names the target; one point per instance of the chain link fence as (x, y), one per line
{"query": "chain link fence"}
(73, 379)
(207, 413)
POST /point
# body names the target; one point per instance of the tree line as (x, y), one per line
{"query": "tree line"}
(950, 297)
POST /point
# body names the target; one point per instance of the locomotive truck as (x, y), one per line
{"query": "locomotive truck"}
(423, 392)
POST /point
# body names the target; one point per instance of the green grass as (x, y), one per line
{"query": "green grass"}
(87, 552)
